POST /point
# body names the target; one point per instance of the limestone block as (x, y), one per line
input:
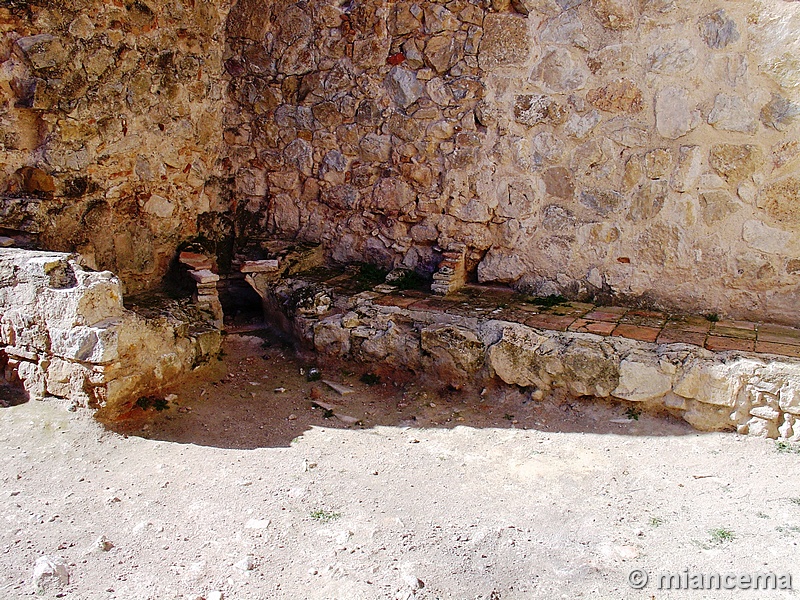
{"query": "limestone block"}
(590, 367)
(673, 57)
(67, 379)
(260, 266)
(82, 27)
(505, 41)
(731, 113)
(615, 14)
(706, 417)
(248, 19)
(159, 206)
(561, 71)
(97, 344)
(456, 352)
(676, 114)
(781, 200)
(765, 412)
(331, 337)
(501, 266)
(718, 30)
(790, 395)
(533, 109)
(762, 428)
(640, 381)
(779, 113)
(736, 162)
(709, 383)
(442, 52)
(514, 357)
(403, 86)
(44, 51)
(33, 380)
(619, 96)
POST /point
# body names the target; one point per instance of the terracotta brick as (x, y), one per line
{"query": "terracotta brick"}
(737, 324)
(733, 332)
(399, 301)
(600, 328)
(644, 320)
(579, 325)
(554, 322)
(779, 336)
(678, 336)
(620, 310)
(782, 349)
(603, 315)
(720, 344)
(637, 332)
(689, 323)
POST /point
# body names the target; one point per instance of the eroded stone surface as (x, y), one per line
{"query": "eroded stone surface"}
(64, 333)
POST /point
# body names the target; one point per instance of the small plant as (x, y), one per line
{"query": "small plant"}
(795, 501)
(656, 521)
(785, 447)
(324, 516)
(722, 535)
(411, 280)
(370, 274)
(370, 379)
(548, 301)
(633, 413)
(712, 317)
(508, 417)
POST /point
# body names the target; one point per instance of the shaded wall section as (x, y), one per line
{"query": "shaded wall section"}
(641, 150)
(110, 127)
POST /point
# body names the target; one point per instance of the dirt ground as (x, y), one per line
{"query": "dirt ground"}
(253, 493)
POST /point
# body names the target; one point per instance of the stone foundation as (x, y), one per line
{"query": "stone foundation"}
(467, 348)
(65, 333)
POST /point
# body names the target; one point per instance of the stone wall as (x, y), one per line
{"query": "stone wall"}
(643, 150)
(638, 150)
(110, 121)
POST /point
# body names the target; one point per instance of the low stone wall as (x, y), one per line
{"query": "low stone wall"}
(65, 333)
(746, 392)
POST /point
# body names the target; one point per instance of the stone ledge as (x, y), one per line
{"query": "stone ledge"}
(467, 344)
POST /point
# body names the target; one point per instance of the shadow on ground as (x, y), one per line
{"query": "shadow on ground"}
(11, 395)
(259, 395)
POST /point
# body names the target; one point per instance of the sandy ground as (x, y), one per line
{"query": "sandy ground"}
(253, 493)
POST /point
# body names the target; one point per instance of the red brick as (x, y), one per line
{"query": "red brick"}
(600, 328)
(679, 336)
(399, 301)
(736, 324)
(554, 322)
(782, 349)
(603, 315)
(637, 332)
(791, 337)
(688, 323)
(579, 325)
(720, 344)
(733, 332)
